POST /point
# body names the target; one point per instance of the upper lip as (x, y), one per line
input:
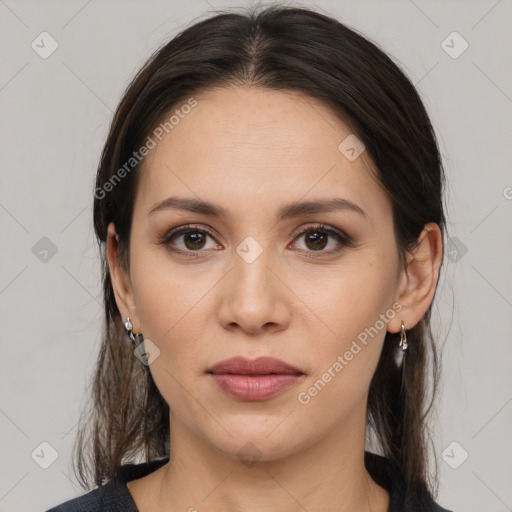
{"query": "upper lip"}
(261, 366)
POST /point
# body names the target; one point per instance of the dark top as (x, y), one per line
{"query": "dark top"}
(114, 496)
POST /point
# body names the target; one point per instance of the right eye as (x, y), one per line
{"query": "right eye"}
(193, 239)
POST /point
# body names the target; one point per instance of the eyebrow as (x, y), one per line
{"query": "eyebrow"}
(287, 211)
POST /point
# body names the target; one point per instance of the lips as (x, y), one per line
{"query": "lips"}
(261, 366)
(259, 379)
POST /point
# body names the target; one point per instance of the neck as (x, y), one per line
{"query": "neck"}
(327, 475)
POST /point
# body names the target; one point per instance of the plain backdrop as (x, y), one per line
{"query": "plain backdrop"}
(55, 112)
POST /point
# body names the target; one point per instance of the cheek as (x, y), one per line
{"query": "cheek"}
(167, 293)
(354, 305)
(171, 304)
(351, 298)
(170, 301)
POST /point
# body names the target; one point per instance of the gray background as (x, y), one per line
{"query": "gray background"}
(54, 117)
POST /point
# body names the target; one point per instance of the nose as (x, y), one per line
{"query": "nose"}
(254, 297)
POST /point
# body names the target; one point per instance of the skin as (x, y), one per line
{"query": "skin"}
(251, 150)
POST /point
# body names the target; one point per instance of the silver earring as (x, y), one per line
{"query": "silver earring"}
(136, 338)
(403, 337)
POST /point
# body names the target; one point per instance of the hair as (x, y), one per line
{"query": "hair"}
(280, 48)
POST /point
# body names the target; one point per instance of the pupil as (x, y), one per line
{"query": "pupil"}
(196, 240)
(316, 235)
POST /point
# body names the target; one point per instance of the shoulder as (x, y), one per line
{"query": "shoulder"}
(441, 509)
(386, 475)
(96, 500)
(113, 496)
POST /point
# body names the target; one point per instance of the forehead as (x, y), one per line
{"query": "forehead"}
(247, 146)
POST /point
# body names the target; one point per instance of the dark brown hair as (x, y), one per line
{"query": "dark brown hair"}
(280, 48)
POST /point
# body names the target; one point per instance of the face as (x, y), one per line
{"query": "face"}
(249, 282)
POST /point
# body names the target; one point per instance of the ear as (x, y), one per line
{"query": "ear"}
(419, 278)
(121, 282)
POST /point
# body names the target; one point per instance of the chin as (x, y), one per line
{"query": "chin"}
(250, 451)
(256, 439)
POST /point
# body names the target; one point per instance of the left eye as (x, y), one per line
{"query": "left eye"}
(317, 238)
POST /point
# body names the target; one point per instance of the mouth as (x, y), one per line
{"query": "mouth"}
(255, 380)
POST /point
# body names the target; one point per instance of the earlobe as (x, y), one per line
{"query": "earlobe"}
(120, 279)
(419, 278)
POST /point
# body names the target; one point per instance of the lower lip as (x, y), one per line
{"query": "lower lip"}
(255, 387)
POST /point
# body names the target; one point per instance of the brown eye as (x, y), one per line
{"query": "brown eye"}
(193, 240)
(316, 239)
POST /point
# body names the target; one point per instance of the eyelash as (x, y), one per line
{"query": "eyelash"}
(341, 237)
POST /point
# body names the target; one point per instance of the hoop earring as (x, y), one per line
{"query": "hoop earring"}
(136, 338)
(403, 337)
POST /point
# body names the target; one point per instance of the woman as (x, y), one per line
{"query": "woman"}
(270, 216)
